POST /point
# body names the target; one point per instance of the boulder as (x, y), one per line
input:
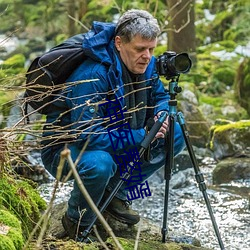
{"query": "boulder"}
(231, 169)
(230, 143)
(231, 139)
(149, 238)
(197, 125)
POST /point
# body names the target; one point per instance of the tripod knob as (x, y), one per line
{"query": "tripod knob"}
(177, 89)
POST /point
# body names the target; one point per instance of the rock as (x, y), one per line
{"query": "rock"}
(232, 139)
(197, 125)
(231, 169)
(181, 179)
(149, 238)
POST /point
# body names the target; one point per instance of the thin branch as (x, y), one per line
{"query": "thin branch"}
(99, 238)
(77, 21)
(46, 216)
(66, 154)
(137, 236)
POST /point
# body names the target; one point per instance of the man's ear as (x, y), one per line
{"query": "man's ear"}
(118, 42)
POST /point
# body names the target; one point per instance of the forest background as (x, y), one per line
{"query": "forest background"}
(214, 33)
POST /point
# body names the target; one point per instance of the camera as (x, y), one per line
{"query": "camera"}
(171, 65)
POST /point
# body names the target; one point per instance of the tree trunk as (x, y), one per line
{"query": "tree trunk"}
(181, 27)
(83, 7)
(71, 6)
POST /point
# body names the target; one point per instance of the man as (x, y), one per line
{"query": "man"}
(122, 73)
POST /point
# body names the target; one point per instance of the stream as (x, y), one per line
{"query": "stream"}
(187, 212)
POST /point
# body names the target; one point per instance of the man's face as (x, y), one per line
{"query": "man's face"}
(137, 53)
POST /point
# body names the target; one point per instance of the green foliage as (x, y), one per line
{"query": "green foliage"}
(242, 84)
(17, 61)
(214, 101)
(229, 22)
(12, 67)
(224, 75)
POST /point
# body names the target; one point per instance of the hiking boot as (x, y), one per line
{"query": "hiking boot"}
(121, 211)
(75, 231)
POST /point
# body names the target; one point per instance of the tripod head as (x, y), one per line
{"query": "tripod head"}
(174, 89)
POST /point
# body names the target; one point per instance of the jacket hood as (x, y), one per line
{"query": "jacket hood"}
(98, 43)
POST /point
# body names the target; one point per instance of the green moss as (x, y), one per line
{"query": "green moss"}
(225, 75)
(16, 61)
(128, 244)
(235, 125)
(16, 237)
(21, 199)
(13, 239)
(212, 100)
(9, 219)
(239, 128)
(6, 243)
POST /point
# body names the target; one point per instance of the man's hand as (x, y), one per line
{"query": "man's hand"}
(164, 128)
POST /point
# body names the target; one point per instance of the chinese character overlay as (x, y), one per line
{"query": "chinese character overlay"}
(114, 110)
(120, 133)
(129, 162)
(137, 191)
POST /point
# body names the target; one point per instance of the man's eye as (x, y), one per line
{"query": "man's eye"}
(139, 50)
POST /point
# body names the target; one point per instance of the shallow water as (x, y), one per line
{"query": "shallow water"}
(187, 212)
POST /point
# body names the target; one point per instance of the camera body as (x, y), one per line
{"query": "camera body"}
(171, 65)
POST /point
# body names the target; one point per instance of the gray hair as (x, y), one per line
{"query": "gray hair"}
(137, 22)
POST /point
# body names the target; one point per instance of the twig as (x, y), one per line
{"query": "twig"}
(66, 154)
(77, 21)
(137, 236)
(99, 238)
(45, 217)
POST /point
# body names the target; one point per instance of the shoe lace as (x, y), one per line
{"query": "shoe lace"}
(127, 203)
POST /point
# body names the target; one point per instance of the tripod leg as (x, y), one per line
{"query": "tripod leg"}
(144, 145)
(199, 176)
(168, 173)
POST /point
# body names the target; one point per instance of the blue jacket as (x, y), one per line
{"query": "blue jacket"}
(85, 118)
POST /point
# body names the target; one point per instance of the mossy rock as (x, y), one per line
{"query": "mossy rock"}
(128, 244)
(11, 237)
(219, 107)
(232, 139)
(21, 199)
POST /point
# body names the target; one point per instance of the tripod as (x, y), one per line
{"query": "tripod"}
(144, 145)
(173, 90)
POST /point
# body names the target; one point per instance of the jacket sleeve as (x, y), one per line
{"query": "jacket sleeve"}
(88, 121)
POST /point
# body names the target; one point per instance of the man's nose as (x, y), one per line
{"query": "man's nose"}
(146, 54)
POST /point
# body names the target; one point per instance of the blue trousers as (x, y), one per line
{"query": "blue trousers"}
(98, 172)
